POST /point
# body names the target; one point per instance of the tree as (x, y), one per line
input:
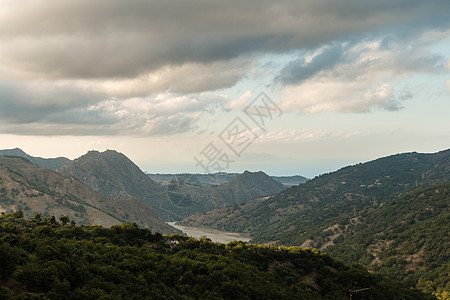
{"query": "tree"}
(18, 214)
(64, 220)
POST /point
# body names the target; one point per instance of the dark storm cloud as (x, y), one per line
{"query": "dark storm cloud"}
(31, 102)
(41, 108)
(398, 55)
(92, 39)
(118, 67)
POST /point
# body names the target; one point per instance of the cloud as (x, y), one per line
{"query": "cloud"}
(116, 39)
(26, 102)
(301, 69)
(153, 67)
(286, 136)
(188, 78)
(355, 77)
(162, 115)
(242, 101)
(40, 108)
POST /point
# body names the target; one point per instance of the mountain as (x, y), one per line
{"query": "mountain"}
(112, 174)
(242, 188)
(215, 179)
(116, 176)
(290, 181)
(203, 180)
(30, 188)
(248, 185)
(49, 163)
(44, 259)
(361, 214)
(288, 218)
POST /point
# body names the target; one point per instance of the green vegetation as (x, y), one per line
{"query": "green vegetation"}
(292, 216)
(407, 238)
(357, 214)
(43, 259)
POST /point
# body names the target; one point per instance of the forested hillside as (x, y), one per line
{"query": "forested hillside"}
(288, 217)
(407, 238)
(41, 258)
(355, 215)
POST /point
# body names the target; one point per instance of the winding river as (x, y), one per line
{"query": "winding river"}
(215, 235)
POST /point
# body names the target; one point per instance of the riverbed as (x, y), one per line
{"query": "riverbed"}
(215, 235)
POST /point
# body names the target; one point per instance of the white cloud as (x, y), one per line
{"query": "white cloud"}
(288, 136)
(163, 114)
(242, 101)
(360, 79)
(187, 78)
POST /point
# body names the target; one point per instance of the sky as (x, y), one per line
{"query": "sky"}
(286, 87)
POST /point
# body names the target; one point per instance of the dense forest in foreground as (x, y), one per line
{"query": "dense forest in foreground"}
(42, 258)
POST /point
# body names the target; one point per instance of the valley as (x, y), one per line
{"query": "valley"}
(216, 236)
(389, 215)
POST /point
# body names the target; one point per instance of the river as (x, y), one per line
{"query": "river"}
(215, 235)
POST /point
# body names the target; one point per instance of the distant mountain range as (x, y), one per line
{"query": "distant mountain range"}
(49, 163)
(215, 179)
(173, 197)
(30, 188)
(114, 175)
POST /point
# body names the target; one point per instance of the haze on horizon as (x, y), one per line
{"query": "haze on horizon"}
(160, 80)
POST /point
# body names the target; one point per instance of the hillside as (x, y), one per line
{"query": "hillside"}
(286, 218)
(407, 238)
(114, 175)
(43, 259)
(356, 215)
(240, 189)
(290, 181)
(30, 188)
(249, 185)
(49, 163)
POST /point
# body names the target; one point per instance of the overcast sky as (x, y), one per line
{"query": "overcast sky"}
(164, 81)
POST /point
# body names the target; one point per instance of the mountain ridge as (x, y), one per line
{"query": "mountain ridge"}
(32, 189)
(49, 163)
(349, 189)
(114, 175)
